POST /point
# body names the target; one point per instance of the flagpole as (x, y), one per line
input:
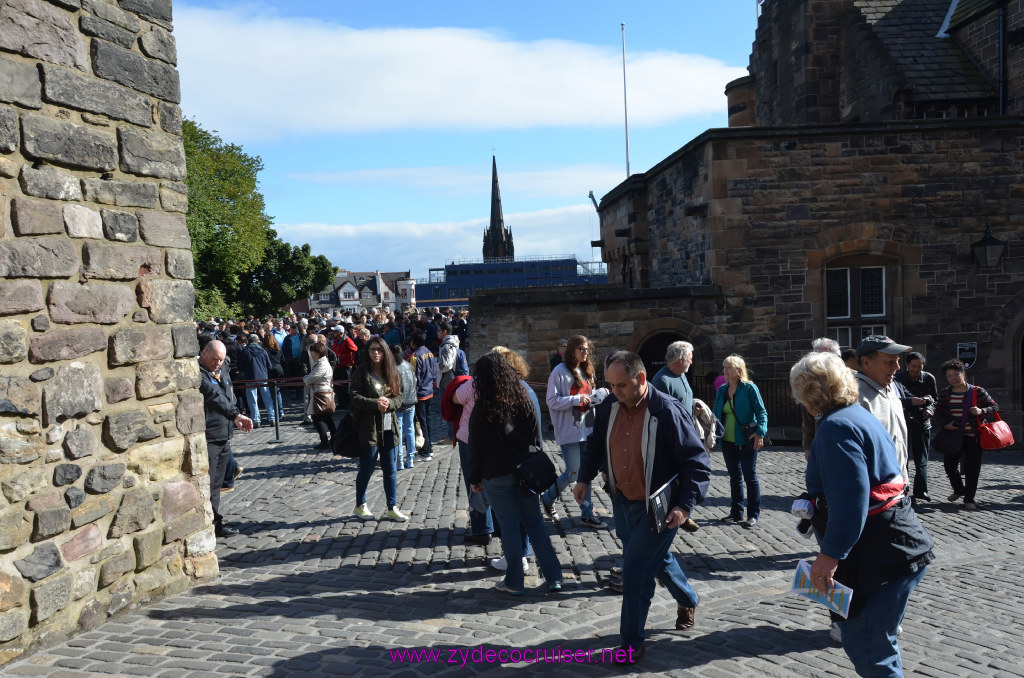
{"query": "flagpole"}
(625, 106)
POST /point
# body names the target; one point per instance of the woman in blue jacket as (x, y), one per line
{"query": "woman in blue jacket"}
(739, 407)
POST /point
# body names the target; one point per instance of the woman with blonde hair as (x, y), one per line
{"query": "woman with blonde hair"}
(871, 538)
(571, 399)
(739, 407)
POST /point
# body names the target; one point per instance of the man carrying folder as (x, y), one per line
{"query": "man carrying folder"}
(641, 439)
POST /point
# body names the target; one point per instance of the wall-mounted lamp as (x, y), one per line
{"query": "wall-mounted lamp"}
(989, 250)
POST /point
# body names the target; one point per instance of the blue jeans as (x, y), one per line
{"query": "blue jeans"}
(742, 465)
(645, 556)
(514, 511)
(480, 522)
(869, 637)
(571, 453)
(407, 436)
(268, 403)
(388, 464)
(423, 417)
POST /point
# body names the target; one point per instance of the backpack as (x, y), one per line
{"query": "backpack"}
(345, 442)
(461, 368)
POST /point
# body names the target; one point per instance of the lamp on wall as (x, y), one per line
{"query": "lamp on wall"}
(989, 250)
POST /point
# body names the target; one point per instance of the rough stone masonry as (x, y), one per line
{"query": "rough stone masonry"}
(104, 488)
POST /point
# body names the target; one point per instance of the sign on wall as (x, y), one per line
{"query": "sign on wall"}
(967, 353)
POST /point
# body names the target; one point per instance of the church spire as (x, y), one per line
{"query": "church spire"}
(497, 239)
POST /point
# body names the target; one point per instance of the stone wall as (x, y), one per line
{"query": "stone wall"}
(786, 203)
(532, 321)
(103, 473)
(980, 40)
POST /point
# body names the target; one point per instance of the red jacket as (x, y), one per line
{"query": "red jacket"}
(451, 411)
(346, 352)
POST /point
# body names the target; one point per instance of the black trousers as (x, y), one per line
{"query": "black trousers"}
(324, 424)
(218, 454)
(919, 441)
(968, 461)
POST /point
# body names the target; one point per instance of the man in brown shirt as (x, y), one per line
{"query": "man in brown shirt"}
(643, 440)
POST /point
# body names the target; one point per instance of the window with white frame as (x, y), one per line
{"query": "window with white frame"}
(856, 301)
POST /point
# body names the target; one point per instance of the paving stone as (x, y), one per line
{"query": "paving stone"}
(316, 591)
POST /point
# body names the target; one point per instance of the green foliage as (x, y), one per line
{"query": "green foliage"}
(286, 273)
(241, 265)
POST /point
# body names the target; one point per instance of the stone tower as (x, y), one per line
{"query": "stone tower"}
(497, 239)
(104, 487)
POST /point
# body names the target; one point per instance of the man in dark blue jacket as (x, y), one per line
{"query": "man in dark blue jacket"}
(643, 440)
(424, 364)
(222, 417)
(254, 364)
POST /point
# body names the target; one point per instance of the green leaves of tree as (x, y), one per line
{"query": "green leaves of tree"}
(241, 265)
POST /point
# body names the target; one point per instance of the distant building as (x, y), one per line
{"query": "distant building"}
(500, 269)
(497, 239)
(459, 280)
(357, 290)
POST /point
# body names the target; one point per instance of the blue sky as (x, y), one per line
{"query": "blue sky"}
(376, 121)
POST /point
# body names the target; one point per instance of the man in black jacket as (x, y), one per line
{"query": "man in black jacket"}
(644, 440)
(922, 389)
(222, 417)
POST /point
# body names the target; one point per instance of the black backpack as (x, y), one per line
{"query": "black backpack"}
(345, 442)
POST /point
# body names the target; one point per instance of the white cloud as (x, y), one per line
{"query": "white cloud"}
(252, 75)
(400, 246)
(570, 181)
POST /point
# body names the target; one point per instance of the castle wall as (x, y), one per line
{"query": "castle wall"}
(103, 469)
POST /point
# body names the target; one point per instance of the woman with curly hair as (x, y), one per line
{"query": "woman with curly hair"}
(571, 399)
(871, 539)
(376, 396)
(503, 429)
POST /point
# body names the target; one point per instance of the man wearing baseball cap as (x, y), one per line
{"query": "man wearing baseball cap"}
(878, 357)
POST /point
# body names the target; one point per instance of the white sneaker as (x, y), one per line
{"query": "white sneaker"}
(836, 633)
(363, 512)
(501, 564)
(396, 515)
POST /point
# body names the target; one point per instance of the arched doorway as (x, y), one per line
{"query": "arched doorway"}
(652, 350)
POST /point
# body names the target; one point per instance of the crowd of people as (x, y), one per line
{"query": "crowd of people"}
(649, 440)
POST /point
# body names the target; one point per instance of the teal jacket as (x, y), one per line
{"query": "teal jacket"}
(749, 407)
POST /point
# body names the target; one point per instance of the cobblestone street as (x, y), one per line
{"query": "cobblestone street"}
(306, 589)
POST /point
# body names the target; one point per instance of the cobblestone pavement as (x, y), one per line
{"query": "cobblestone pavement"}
(307, 590)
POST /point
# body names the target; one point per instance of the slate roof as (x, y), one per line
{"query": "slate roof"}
(935, 69)
(968, 10)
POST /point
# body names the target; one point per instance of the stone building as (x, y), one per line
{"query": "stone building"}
(104, 487)
(498, 245)
(851, 194)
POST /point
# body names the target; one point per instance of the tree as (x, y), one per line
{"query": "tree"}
(286, 273)
(241, 265)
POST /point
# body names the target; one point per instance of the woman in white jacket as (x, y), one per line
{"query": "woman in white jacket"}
(319, 380)
(571, 401)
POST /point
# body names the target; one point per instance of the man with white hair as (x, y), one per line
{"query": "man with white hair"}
(671, 380)
(222, 417)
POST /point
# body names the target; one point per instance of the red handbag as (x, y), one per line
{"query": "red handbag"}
(993, 435)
